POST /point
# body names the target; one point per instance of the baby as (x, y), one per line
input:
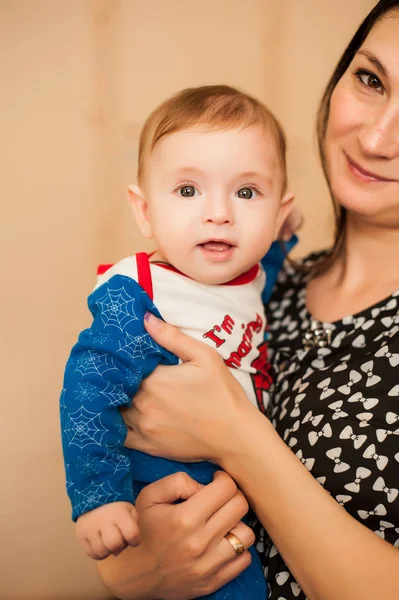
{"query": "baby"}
(212, 194)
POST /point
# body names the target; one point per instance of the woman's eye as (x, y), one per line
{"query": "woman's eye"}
(370, 80)
(187, 191)
(246, 193)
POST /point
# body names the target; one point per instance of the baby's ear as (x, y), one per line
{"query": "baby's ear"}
(140, 209)
(283, 219)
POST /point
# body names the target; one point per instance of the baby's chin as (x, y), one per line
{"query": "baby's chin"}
(216, 274)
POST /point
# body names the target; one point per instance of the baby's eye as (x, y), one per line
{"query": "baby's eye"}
(247, 193)
(188, 191)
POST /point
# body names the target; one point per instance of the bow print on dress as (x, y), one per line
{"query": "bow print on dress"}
(318, 363)
(383, 526)
(342, 499)
(361, 322)
(368, 403)
(296, 590)
(334, 454)
(283, 410)
(382, 434)
(392, 357)
(381, 460)
(364, 418)
(282, 577)
(354, 486)
(379, 511)
(314, 436)
(314, 419)
(344, 362)
(292, 429)
(380, 486)
(326, 390)
(338, 413)
(354, 377)
(296, 410)
(307, 462)
(391, 418)
(390, 306)
(368, 369)
(348, 434)
(299, 386)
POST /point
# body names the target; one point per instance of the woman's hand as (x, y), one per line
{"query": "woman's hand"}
(192, 411)
(183, 553)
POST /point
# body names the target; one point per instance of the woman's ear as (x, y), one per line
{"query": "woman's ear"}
(140, 209)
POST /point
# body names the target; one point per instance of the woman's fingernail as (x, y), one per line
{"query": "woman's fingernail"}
(150, 318)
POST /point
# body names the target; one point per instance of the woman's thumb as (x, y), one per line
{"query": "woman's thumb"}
(168, 490)
(171, 338)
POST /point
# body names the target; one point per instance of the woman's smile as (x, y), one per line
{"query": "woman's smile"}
(364, 175)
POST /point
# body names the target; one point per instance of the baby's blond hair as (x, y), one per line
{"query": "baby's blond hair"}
(214, 106)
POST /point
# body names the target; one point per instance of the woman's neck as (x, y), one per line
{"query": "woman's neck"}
(365, 272)
(370, 254)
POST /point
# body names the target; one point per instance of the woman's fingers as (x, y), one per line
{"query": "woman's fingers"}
(244, 534)
(168, 490)
(227, 516)
(212, 497)
(174, 340)
(230, 570)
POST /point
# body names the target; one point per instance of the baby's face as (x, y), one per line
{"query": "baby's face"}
(214, 200)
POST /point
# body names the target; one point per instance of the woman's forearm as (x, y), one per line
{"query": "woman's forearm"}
(330, 554)
(131, 575)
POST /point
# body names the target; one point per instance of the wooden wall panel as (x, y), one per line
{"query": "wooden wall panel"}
(78, 78)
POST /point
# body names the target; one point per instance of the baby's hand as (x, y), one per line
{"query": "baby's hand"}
(291, 225)
(108, 529)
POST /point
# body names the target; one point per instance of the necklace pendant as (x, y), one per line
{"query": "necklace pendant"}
(317, 336)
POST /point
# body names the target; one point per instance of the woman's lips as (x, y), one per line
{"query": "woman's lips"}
(363, 175)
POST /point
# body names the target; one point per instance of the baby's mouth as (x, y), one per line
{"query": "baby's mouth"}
(217, 250)
(214, 246)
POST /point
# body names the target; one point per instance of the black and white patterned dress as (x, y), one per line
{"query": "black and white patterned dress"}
(337, 408)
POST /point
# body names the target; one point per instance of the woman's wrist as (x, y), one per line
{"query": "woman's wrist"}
(132, 575)
(237, 447)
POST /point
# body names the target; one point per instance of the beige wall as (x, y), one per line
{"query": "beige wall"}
(77, 79)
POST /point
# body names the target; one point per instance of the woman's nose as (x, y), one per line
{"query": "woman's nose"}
(379, 137)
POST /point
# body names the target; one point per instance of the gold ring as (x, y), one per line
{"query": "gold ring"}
(236, 543)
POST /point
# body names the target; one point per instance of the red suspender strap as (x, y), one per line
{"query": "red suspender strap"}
(144, 273)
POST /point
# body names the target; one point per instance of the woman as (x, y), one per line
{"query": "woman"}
(335, 409)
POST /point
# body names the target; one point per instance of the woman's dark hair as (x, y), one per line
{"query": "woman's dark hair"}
(379, 11)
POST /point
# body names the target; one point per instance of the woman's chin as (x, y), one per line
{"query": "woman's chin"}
(368, 204)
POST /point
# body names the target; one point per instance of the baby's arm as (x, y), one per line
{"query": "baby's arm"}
(103, 373)
(108, 529)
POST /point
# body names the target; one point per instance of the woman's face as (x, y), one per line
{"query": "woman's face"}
(362, 137)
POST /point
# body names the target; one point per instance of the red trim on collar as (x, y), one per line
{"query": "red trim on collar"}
(101, 269)
(246, 277)
(242, 279)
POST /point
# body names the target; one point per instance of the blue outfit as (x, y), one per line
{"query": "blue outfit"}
(103, 373)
